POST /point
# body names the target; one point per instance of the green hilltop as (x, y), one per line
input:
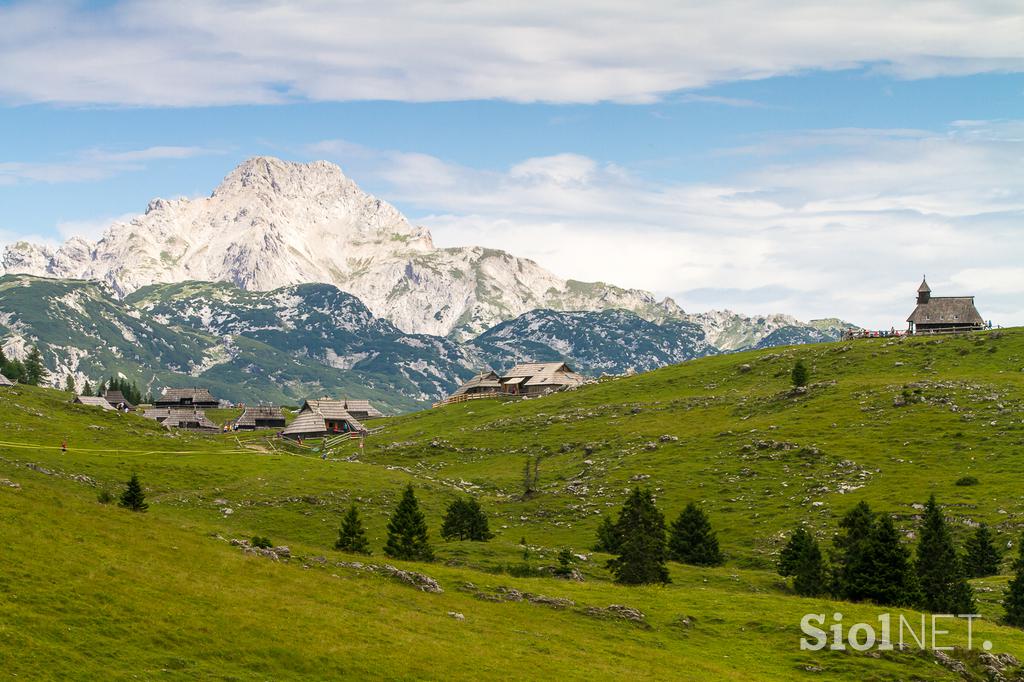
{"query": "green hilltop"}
(94, 591)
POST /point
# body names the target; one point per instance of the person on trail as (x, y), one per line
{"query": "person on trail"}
(64, 447)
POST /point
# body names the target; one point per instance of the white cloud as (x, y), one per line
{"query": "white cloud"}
(201, 52)
(91, 164)
(848, 232)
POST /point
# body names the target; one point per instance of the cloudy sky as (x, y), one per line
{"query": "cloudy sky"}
(806, 157)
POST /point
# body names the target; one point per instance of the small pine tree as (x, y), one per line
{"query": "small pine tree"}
(607, 537)
(793, 552)
(981, 558)
(478, 526)
(890, 579)
(352, 535)
(407, 531)
(1013, 598)
(34, 372)
(69, 384)
(852, 570)
(565, 563)
(692, 540)
(133, 497)
(809, 577)
(944, 587)
(87, 388)
(641, 529)
(455, 525)
(800, 374)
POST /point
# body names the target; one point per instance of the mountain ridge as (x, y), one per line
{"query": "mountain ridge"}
(273, 223)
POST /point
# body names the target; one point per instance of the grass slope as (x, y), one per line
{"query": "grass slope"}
(95, 591)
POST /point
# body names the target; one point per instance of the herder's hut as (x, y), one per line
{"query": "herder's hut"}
(361, 409)
(320, 418)
(186, 397)
(260, 417)
(4, 381)
(533, 378)
(93, 401)
(117, 399)
(193, 419)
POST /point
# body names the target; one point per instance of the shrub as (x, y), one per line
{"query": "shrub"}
(966, 481)
(261, 542)
(104, 497)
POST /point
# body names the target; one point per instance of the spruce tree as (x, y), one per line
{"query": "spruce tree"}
(352, 535)
(87, 389)
(852, 571)
(69, 384)
(455, 525)
(944, 587)
(692, 541)
(809, 579)
(34, 372)
(1013, 598)
(133, 497)
(607, 537)
(478, 526)
(800, 374)
(641, 530)
(792, 554)
(407, 531)
(981, 558)
(890, 579)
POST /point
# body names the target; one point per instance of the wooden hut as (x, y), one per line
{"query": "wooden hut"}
(93, 401)
(117, 399)
(484, 383)
(191, 418)
(4, 381)
(186, 397)
(361, 409)
(260, 417)
(320, 418)
(532, 378)
(943, 313)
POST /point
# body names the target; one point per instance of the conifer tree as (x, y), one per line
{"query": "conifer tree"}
(799, 541)
(692, 540)
(981, 558)
(607, 537)
(352, 535)
(641, 531)
(69, 384)
(890, 579)
(133, 497)
(407, 531)
(801, 558)
(1013, 598)
(852, 568)
(944, 587)
(800, 374)
(87, 389)
(465, 520)
(34, 372)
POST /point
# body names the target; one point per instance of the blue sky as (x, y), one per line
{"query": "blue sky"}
(806, 160)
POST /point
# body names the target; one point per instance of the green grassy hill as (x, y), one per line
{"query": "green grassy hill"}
(93, 591)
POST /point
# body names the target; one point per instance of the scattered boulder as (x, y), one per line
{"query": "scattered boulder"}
(618, 611)
(6, 483)
(456, 615)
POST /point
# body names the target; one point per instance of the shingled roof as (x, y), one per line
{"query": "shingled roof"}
(314, 415)
(94, 401)
(483, 381)
(543, 374)
(362, 407)
(952, 310)
(256, 413)
(177, 395)
(4, 381)
(116, 397)
(190, 418)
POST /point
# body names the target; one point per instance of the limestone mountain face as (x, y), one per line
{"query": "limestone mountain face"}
(273, 223)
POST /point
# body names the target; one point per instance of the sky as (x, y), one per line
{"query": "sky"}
(807, 157)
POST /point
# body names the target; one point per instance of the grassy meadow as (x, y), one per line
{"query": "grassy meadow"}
(93, 591)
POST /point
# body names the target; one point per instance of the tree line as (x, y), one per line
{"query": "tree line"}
(30, 371)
